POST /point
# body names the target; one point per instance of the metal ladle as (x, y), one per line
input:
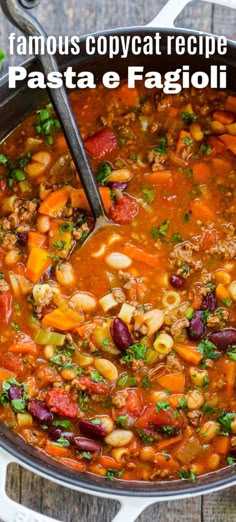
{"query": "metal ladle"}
(17, 12)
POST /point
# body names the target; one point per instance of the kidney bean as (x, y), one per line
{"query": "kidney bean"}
(176, 281)
(120, 185)
(222, 339)
(39, 411)
(196, 329)
(14, 392)
(120, 334)
(90, 429)
(22, 238)
(55, 432)
(84, 444)
(209, 302)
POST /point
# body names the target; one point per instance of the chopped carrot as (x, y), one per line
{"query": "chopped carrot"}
(189, 353)
(163, 444)
(221, 166)
(60, 238)
(230, 104)
(81, 330)
(56, 451)
(58, 319)
(216, 146)
(55, 202)
(173, 382)
(230, 377)
(60, 142)
(196, 304)
(175, 398)
(35, 239)
(183, 135)
(158, 178)
(38, 262)
(27, 347)
(173, 112)
(5, 375)
(201, 172)
(229, 141)
(201, 210)
(108, 462)
(222, 292)
(78, 466)
(221, 444)
(128, 96)
(79, 200)
(223, 117)
(161, 461)
(140, 255)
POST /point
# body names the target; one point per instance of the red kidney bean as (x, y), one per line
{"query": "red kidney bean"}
(121, 334)
(90, 429)
(196, 329)
(39, 411)
(222, 339)
(22, 238)
(55, 432)
(176, 281)
(14, 392)
(84, 444)
(120, 185)
(209, 302)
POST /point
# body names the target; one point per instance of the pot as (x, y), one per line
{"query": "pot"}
(135, 496)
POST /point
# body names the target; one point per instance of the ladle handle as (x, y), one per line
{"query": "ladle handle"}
(24, 21)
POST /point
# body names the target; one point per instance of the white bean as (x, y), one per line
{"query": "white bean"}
(83, 301)
(119, 438)
(65, 274)
(107, 369)
(118, 261)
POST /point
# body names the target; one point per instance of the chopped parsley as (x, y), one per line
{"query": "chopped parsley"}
(162, 405)
(113, 473)
(182, 404)
(230, 461)
(66, 227)
(148, 194)
(187, 141)
(146, 383)
(15, 327)
(225, 420)
(208, 409)
(62, 442)
(227, 302)
(162, 144)
(142, 435)
(186, 474)
(46, 124)
(103, 173)
(3, 159)
(208, 350)
(176, 237)
(136, 351)
(231, 352)
(62, 423)
(97, 377)
(161, 231)
(59, 244)
(188, 117)
(122, 420)
(127, 380)
(187, 217)
(203, 149)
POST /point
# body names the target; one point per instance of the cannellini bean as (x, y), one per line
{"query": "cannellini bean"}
(42, 293)
(83, 301)
(214, 461)
(48, 351)
(83, 360)
(119, 438)
(107, 369)
(158, 396)
(222, 277)
(147, 454)
(12, 257)
(68, 375)
(65, 274)
(231, 288)
(217, 127)
(120, 454)
(118, 261)
(196, 131)
(126, 313)
(231, 129)
(107, 423)
(209, 430)
(154, 320)
(43, 224)
(31, 143)
(40, 162)
(24, 419)
(195, 400)
(163, 344)
(107, 302)
(198, 377)
(120, 175)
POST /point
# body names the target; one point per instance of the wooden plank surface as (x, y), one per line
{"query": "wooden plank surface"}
(80, 17)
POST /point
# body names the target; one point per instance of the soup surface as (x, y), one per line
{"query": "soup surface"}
(119, 358)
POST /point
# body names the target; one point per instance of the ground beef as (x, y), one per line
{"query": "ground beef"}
(178, 326)
(8, 241)
(119, 400)
(173, 363)
(183, 258)
(118, 295)
(26, 210)
(4, 287)
(129, 280)
(79, 232)
(156, 160)
(226, 248)
(5, 224)
(195, 417)
(216, 319)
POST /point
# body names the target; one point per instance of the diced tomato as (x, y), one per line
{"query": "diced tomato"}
(11, 362)
(124, 211)
(5, 306)
(93, 387)
(161, 418)
(209, 239)
(62, 403)
(133, 403)
(102, 143)
(217, 147)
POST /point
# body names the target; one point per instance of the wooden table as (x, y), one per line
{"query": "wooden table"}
(80, 17)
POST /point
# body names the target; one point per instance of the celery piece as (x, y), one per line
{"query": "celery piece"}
(53, 338)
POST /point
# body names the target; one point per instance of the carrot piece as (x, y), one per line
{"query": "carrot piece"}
(81, 330)
(173, 382)
(6, 374)
(174, 399)
(59, 239)
(221, 444)
(55, 201)
(78, 466)
(163, 444)
(59, 320)
(128, 96)
(173, 112)
(216, 146)
(188, 353)
(230, 104)
(35, 239)
(60, 142)
(201, 210)
(230, 377)
(183, 135)
(222, 292)
(27, 347)
(140, 255)
(79, 200)
(201, 172)
(221, 166)
(223, 117)
(158, 178)
(38, 262)
(56, 451)
(229, 141)
(161, 461)
(108, 462)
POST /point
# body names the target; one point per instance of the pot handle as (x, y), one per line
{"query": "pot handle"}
(168, 14)
(11, 511)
